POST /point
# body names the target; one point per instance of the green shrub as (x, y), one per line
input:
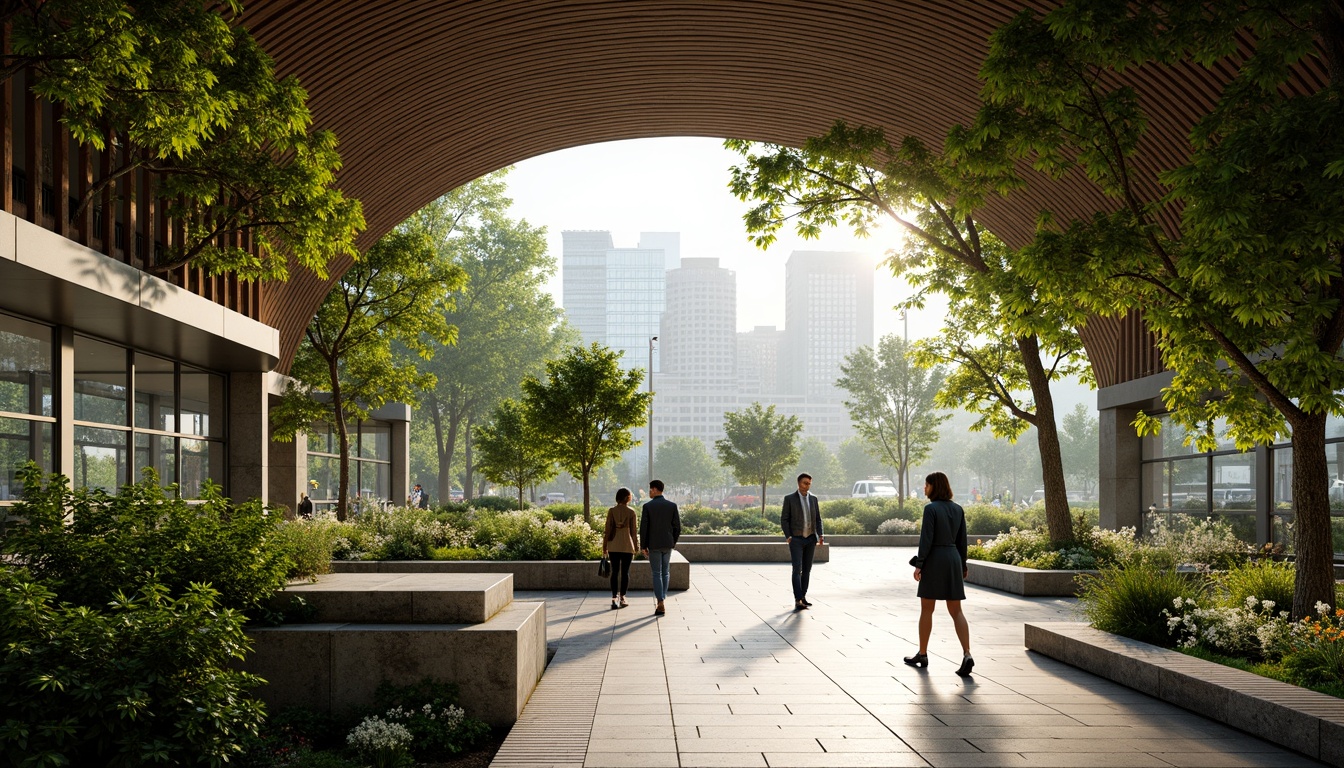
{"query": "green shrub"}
(495, 503)
(1262, 580)
(843, 526)
(987, 518)
(574, 540)
(309, 545)
(843, 507)
(519, 535)
(145, 678)
(565, 511)
(455, 553)
(1207, 543)
(86, 545)
(1129, 600)
(707, 517)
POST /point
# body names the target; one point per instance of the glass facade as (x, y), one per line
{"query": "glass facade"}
(1180, 482)
(636, 283)
(370, 480)
(26, 400)
(132, 412)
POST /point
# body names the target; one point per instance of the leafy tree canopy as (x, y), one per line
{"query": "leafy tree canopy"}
(509, 451)
(177, 89)
(585, 410)
(683, 462)
(759, 445)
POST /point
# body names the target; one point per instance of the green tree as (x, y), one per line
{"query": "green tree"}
(507, 323)
(179, 90)
(1081, 441)
(683, 462)
(816, 459)
(585, 410)
(1233, 252)
(759, 445)
(891, 402)
(856, 176)
(858, 462)
(510, 452)
(395, 294)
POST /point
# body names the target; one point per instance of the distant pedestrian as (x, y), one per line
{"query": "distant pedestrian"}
(941, 569)
(619, 544)
(659, 529)
(305, 507)
(800, 520)
(423, 501)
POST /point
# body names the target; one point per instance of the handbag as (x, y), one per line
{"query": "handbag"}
(604, 567)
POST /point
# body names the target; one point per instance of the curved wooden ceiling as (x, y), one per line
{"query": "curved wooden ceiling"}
(427, 95)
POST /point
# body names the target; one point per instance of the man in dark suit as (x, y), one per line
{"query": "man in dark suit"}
(801, 521)
(659, 529)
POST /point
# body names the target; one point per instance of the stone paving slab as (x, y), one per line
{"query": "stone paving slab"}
(731, 677)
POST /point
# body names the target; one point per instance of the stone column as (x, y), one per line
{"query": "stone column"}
(1119, 486)
(288, 476)
(249, 436)
(401, 463)
(63, 432)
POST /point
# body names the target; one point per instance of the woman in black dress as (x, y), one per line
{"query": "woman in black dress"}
(940, 568)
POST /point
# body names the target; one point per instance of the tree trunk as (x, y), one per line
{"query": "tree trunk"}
(445, 437)
(762, 500)
(468, 490)
(587, 514)
(1312, 537)
(1057, 518)
(343, 438)
(520, 495)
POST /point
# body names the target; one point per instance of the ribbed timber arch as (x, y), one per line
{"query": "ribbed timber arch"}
(426, 95)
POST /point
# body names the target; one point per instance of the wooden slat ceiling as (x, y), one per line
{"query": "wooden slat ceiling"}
(427, 95)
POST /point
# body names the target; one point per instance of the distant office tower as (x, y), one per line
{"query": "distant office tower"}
(758, 360)
(828, 313)
(584, 282)
(614, 296)
(699, 326)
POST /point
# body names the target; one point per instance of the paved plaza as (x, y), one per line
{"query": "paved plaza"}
(731, 676)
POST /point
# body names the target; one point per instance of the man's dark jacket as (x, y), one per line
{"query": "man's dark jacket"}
(791, 518)
(659, 524)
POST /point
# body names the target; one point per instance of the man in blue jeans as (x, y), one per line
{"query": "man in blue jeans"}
(801, 522)
(659, 529)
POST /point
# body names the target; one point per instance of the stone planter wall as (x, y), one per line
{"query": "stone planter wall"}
(530, 575)
(1027, 582)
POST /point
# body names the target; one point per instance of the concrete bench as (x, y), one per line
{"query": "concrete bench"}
(1028, 582)
(1311, 723)
(529, 574)
(776, 550)
(416, 598)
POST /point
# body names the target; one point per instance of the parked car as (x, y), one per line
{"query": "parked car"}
(873, 489)
(455, 494)
(552, 498)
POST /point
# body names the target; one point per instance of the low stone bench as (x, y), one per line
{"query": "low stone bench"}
(1311, 723)
(775, 550)
(839, 540)
(462, 628)
(1028, 582)
(391, 598)
(529, 574)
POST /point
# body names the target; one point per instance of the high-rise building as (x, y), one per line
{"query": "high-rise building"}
(758, 360)
(583, 277)
(614, 296)
(699, 326)
(828, 313)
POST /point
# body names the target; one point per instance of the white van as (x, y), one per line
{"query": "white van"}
(869, 489)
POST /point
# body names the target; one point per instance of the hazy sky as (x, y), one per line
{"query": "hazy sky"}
(681, 185)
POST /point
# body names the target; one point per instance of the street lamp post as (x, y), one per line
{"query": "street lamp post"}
(651, 340)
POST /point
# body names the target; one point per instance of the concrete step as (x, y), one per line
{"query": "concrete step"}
(529, 574)
(414, 598)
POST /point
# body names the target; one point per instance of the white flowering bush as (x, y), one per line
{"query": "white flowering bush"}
(1032, 548)
(429, 713)
(897, 526)
(384, 744)
(1251, 629)
(1206, 544)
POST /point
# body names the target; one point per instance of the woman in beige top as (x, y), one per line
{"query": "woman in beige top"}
(620, 542)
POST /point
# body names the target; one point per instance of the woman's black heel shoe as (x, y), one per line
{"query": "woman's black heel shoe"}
(966, 664)
(918, 660)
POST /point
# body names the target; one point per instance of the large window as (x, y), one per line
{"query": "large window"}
(137, 412)
(1180, 483)
(26, 403)
(370, 480)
